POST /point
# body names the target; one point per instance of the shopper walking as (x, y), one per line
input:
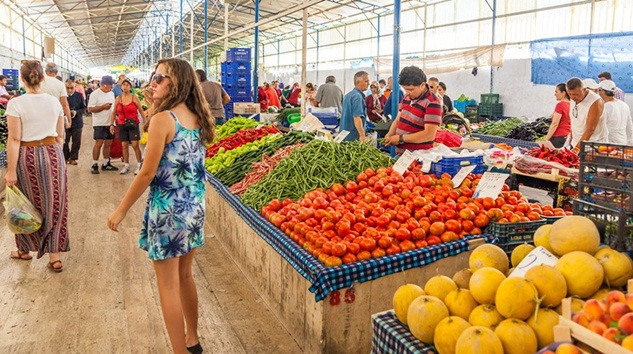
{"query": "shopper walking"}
(77, 107)
(616, 114)
(271, 93)
(561, 124)
(56, 88)
(420, 115)
(329, 95)
(173, 226)
(587, 120)
(100, 105)
(36, 165)
(127, 108)
(354, 115)
(375, 102)
(216, 96)
(387, 108)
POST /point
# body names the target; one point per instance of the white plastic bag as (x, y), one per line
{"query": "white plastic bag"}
(21, 215)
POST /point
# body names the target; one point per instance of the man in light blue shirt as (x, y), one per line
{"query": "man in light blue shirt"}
(116, 89)
(354, 114)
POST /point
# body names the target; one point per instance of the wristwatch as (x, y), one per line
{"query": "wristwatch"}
(401, 139)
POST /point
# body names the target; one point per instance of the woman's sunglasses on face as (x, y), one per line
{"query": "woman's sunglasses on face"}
(159, 78)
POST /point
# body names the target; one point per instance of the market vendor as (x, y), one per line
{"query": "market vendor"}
(420, 113)
(561, 124)
(587, 121)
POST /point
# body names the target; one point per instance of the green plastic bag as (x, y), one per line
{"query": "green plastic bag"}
(21, 215)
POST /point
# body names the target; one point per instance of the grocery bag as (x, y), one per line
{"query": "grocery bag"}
(21, 215)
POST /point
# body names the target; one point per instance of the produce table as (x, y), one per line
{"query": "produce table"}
(498, 140)
(391, 336)
(293, 283)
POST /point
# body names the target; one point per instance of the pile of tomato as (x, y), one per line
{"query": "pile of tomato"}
(384, 213)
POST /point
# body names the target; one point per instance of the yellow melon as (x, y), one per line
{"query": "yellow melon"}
(543, 323)
(517, 337)
(478, 340)
(460, 303)
(576, 306)
(549, 283)
(516, 298)
(489, 255)
(617, 266)
(600, 295)
(403, 297)
(574, 233)
(486, 316)
(439, 286)
(583, 273)
(541, 237)
(447, 332)
(425, 312)
(462, 277)
(519, 252)
(484, 283)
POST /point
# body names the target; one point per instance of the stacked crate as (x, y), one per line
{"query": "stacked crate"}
(489, 106)
(604, 191)
(236, 77)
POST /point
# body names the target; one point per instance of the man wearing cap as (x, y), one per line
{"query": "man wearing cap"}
(56, 88)
(587, 121)
(617, 115)
(619, 94)
(100, 105)
(330, 95)
(591, 85)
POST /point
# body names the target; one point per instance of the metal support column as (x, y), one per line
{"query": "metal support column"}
(226, 25)
(317, 57)
(395, 90)
(206, 36)
(378, 49)
(181, 28)
(192, 17)
(304, 55)
(492, 50)
(256, 52)
(23, 39)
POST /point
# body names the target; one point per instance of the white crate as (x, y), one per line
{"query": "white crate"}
(249, 108)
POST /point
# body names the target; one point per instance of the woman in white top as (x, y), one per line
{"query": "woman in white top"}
(36, 165)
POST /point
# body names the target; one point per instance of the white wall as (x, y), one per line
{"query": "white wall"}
(344, 77)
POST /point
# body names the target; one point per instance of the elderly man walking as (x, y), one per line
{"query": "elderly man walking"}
(52, 86)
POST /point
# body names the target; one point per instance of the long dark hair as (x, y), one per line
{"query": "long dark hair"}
(563, 88)
(185, 87)
(32, 73)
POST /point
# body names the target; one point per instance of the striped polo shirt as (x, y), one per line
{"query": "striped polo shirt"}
(415, 113)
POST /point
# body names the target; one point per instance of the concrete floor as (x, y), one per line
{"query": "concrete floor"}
(106, 300)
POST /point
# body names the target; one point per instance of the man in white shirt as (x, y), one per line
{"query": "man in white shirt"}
(100, 105)
(617, 115)
(587, 120)
(56, 88)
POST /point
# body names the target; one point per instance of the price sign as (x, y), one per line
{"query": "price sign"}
(463, 172)
(540, 255)
(342, 135)
(490, 185)
(404, 162)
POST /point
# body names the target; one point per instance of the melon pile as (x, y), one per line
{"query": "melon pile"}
(482, 310)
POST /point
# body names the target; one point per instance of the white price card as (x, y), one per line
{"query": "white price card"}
(540, 255)
(342, 135)
(463, 172)
(490, 185)
(404, 162)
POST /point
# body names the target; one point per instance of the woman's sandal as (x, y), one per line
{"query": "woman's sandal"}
(195, 349)
(24, 256)
(51, 265)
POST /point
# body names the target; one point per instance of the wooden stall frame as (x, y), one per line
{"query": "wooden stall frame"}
(341, 323)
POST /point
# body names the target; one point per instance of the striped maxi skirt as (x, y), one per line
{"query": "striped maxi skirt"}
(41, 174)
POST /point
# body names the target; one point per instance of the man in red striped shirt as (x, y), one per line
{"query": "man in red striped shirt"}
(420, 113)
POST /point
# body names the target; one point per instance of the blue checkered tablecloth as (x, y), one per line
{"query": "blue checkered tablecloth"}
(391, 336)
(327, 279)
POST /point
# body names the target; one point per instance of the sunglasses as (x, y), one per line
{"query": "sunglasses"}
(69, 88)
(159, 78)
(574, 111)
(431, 86)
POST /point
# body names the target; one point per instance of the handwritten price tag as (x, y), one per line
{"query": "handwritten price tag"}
(404, 162)
(342, 135)
(540, 255)
(463, 172)
(490, 185)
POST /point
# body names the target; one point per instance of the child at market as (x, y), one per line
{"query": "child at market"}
(173, 225)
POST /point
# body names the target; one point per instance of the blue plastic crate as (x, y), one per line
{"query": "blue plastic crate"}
(238, 55)
(461, 106)
(236, 97)
(235, 79)
(452, 165)
(236, 68)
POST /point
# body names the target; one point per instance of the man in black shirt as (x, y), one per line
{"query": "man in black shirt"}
(77, 106)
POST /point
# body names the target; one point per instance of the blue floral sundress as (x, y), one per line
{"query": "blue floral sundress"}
(174, 218)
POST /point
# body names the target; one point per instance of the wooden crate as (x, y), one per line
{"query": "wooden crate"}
(568, 331)
(318, 327)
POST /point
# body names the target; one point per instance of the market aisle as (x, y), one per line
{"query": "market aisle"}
(106, 301)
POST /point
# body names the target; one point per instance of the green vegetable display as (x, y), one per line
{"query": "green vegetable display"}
(234, 125)
(243, 164)
(500, 127)
(224, 158)
(317, 165)
(284, 113)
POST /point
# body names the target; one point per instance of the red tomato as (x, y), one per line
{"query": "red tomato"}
(453, 225)
(449, 236)
(433, 240)
(353, 248)
(421, 244)
(467, 225)
(481, 220)
(467, 214)
(435, 216)
(333, 261)
(368, 244)
(384, 242)
(339, 249)
(395, 225)
(437, 228)
(349, 258)
(450, 214)
(362, 177)
(425, 181)
(412, 224)
(418, 234)
(533, 216)
(378, 252)
(419, 202)
(407, 245)
(403, 234)
(275, 205)
(466, 192)
(425, 225)
(363, 255)
(393, 249)
(489, 203)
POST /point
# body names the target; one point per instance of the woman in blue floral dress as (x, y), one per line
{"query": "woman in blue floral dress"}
(173, 168)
